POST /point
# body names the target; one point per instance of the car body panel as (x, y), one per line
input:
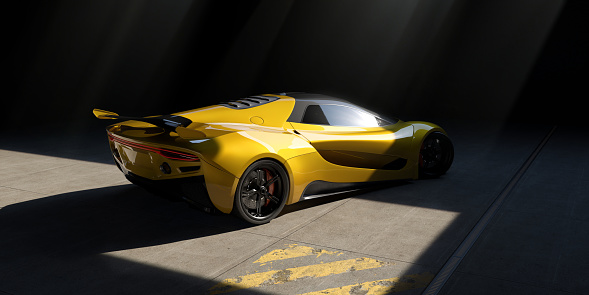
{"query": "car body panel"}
(220, 143)
(362, 147)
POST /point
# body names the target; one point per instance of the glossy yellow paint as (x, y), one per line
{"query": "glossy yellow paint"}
(273, 114)
(227, 141)
(102, 114)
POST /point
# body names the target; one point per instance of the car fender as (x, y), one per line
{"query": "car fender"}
(226, 157)
(420, 131)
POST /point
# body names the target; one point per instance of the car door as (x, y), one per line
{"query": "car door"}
(352, 137)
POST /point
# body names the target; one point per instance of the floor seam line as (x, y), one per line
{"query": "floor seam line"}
(22, 190)
(473, 235)
(52, 168)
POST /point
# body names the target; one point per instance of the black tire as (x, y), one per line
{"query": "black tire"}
(261, 192)
(435, 155)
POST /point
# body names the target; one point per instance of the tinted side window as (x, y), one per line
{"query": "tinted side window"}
(337, 115)
(345, 116)
(314, 115)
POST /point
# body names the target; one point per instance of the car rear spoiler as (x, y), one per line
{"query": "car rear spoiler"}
(169, 123)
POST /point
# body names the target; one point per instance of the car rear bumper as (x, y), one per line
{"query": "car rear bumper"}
(191, 189)
(150, 161)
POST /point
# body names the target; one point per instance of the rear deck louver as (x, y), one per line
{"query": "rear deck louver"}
(249, 102)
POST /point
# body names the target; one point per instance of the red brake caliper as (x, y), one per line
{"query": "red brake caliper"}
(271, 187)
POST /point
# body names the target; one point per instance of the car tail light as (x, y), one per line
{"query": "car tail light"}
(166, 153)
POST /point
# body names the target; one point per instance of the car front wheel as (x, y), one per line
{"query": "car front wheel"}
(435, 156)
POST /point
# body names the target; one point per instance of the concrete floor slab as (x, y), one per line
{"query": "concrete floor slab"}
(204, 257)
(394, 231)
(296, 216)
(49, 175)
(519, 247)
(20, 164)
(581, 202)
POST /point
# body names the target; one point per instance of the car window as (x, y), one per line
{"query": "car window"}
(314, 115)
(337, 115)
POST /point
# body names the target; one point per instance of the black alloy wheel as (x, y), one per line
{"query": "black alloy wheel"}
(435, 156)
(261, 192)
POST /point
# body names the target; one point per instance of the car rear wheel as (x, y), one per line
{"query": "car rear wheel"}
(435, 156)
(261, 192)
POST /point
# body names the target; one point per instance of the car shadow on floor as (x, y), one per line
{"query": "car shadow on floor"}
(55, 244)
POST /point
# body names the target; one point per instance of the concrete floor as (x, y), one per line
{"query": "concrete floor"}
(71, 224)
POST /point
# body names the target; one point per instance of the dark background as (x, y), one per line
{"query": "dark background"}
(500, 61)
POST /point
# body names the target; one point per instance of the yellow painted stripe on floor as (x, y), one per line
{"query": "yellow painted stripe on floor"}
(293, 251)
(380, 287)
(292, 274)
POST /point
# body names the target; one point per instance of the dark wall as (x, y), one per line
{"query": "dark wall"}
(556, 89)
(414, 59)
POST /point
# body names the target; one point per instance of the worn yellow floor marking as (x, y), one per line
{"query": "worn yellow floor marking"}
(293, 251)
(408, 282)
(292, 274)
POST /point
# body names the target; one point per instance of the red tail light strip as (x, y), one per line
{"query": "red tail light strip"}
(174, 155)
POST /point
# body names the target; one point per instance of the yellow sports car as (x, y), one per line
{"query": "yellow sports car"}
(254, 155)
